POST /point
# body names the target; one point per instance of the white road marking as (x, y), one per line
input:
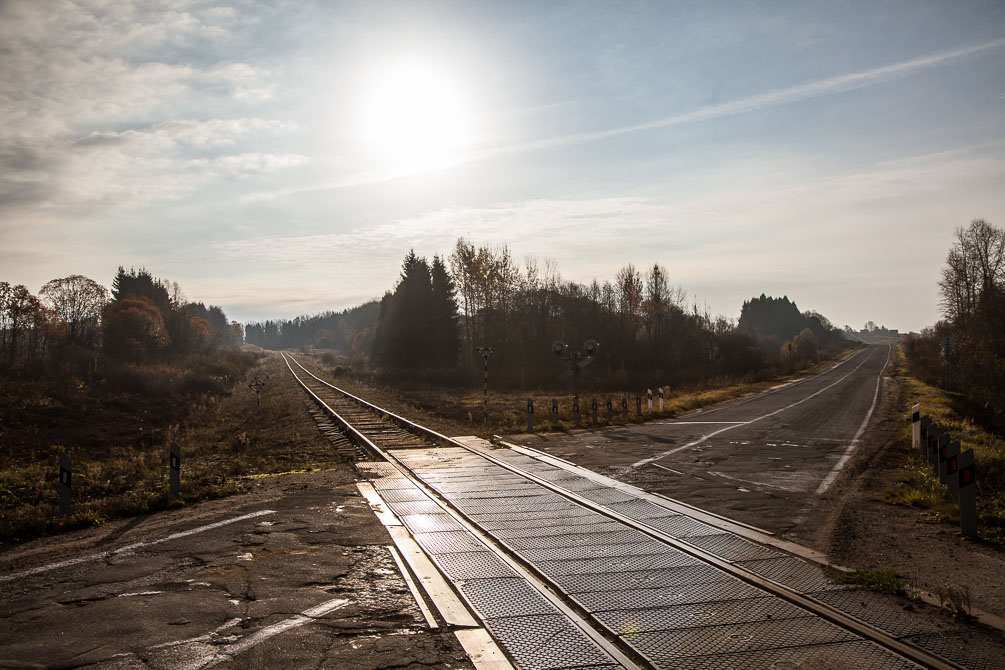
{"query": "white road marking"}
(227, 652)
(748, 481)
(130, 547)
(832, 475)
(646, 461)
(696, 423)
(201, 638)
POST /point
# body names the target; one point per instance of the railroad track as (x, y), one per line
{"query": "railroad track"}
(609, 575)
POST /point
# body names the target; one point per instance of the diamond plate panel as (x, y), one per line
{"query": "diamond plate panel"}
(389, 483)
(546, 506)
(792, 572)
(682, 526)
(957, 649)
(470, 493)
(473, 565)
(547, 642)
(652, 598)
(426, 523)
(641, 510)
(403, 495)
(578, 484)
(607, 496)
(562, 538)
(733, 548)
(622, 622)
(448, 542)
(489, 518)
(377, 468)
(641, 579)
(504, 597)
(592, 566)
(838, 656)
(415, 507)
(661, 646)
(883, 612)
(531, 528)
(559, 553)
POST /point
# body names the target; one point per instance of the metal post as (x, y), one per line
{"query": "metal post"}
(575, 410)
(554, 413)
(610, 409)
(65, 475)
(624, 408)
(530, 415)
(943, 456)
(594, 411)
(485, 353)
(916, 427)
(968, 494)
(174, 470)
(638, 406)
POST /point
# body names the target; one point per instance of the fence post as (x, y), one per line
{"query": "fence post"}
(638, 406)
(649, 399)
(530, 415)
(916, 427)
(65, 475)
(624, 408)
(610, 409)
(661, 398)
(554, 413)
(943, 456)
(926, 422)
(175, 469)
(594, 411)
(933, 443)
(953, 469)
(968, 494)
(575, 410)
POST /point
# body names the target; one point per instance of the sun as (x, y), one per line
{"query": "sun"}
(414, 117)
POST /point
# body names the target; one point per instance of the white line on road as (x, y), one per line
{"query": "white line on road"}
(130, 547)
(832, 475)
(651, 459)
(696, 423)
(228, 652)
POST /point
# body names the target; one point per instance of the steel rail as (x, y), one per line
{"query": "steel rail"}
(613, 649)
(867, 631)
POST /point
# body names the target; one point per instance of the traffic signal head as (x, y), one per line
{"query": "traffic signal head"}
(559, 348)
(590, 347)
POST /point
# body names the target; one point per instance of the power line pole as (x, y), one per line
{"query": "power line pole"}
(485, 353)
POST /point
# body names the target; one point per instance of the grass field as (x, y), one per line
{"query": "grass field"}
(917, 486)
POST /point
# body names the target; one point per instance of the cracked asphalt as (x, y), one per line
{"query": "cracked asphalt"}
(310, 585)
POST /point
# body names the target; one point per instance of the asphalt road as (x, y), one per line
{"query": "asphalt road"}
(766, 460)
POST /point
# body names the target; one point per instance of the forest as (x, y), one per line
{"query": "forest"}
(651, 332)
(965, 351)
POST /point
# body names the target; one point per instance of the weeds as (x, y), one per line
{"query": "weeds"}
(881, 581)
(956, 599)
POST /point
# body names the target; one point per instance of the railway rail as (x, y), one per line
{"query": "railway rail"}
(568, 569)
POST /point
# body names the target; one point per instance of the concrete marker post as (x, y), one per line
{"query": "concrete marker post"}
(638, 406)
(649, 400)
(530, 415)
(575, 410)
(594, 411)
(943, 456)
(933, 443)
(968, 494)
(953, 470)
(65, 477)
(554, 413)
(624, 408)
(175, 470)
(926, 421)
(916, 427)
(610, 409)
(661, 398)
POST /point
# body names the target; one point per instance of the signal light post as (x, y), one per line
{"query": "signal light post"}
(575, 362)
(485, 352)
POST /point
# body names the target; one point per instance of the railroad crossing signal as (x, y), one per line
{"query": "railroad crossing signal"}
(485, 352)
(257, 385)
(575, 362)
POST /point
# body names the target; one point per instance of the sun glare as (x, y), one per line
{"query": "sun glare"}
(414, 118)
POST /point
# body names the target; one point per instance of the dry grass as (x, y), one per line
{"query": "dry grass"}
(223, 436)
(919, 488)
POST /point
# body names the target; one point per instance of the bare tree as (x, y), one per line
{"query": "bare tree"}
(975, 267)
(78, 302)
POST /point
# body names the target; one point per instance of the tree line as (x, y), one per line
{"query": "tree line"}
(651, 332)
(971, 335)
(141, 318)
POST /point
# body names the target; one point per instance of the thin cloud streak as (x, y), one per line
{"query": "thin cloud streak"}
(776, 98)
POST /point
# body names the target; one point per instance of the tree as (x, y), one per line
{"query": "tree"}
(78, 302)
(134, 328)
(443, 314)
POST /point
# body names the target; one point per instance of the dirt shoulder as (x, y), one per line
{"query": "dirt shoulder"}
(856, 529)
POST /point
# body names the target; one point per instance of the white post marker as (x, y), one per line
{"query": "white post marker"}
(661, 398)
(65, 478)
(649, 399)
(916, 426)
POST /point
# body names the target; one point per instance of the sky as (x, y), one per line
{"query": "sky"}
(281, 158)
